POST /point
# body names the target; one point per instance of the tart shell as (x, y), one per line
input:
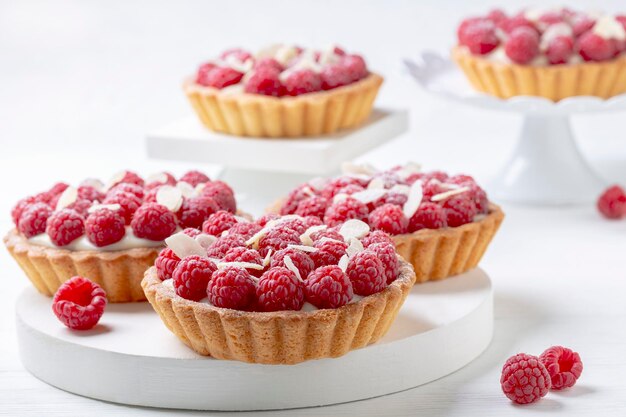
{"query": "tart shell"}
(284, 337)
(257, 115)
(119, 273)
(556, 82)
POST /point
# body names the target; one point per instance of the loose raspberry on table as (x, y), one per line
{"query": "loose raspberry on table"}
(279, 289)
(389, 218)
(376, 236)
(564, 366)
(87, 192)
(266, 81)
(334, 76)
(222, 194)
(195, 210)
(522, 46)
(302, 82)
(459, 210)
(65, 226)
(344, 210)
(194, 178)
(593, 47)
(328, 287)
(219, 222)
(191, 277)
(328, 252)
(612, 203)
(245, 229)
(428, 216)
(435, 175)
(220, 77)
(79, 303)
(19, 208)
(387, 254)
(243, 254)
(130, 177)
(354, 66)
(479, 36)
(524, 379)
(165, 263)
(104, 227)
(300, 259)
(295, 197)
(231, 287)
(277, 239)
(268, 63)
(33, 219)
(222, 245)
(134, 189)
(128, 202)
(560, 49)
(367, 273)
(312, 206)
(154, 222)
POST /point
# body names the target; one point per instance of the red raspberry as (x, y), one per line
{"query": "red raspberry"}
(397, 199)
(130, 177)
(194, 178)
(196, 210)
(461, 179)
(165, 263)
(19, 208)
(104, 227)
(222, 245)
(65, 226)
(220, 77)
(245, 229)
(265, 81)
(350, 189)
(479, 36)
(428, 216)
(377, 236)
(435, 175)
(240, 54)
(154, 222)
(560, 49)
(268, 63)
(524, 379)
(44, 197)
(522, 46)
(367, 273)
(151, 194)
(549, 18)
(344, 210)
(81, 207)
(301, 260)
(231, 287)
(134, 189)
(222, 194)
(389, 218)
(387, 255)
(266, 218)
(497, 16)
(79, 303)
(295, 224)
(515, 22)
(202, 75)
(302, 82)
(191, 232)
(33, 219)
(168, 179)
(612, 203)
(219, 222)
(191, 277)
(87, 192)
(581, 24)
(564, 366)
(279, 289)
(334, 76)
(58, 188)
(310, 221)
(431, 188)
(328, 287)
(329, 252)
(354, 66)
(128, 202)
(327, 233)
(277, 239)
(295, 197)
(459, 210)
(593, 47)
(334, 186)
(622, 20)
(243, 254)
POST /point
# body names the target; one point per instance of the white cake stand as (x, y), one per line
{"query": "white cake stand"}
(131, 358)
(546, 167)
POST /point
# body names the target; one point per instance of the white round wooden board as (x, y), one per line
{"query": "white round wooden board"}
(131, 358)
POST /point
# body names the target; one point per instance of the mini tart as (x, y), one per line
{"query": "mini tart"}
(311, 114)
(556, 82)
(284, 337)
(119, 273)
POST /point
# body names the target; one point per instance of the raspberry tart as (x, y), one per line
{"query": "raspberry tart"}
(110, 233)
(556, 53)
(283, 92)
(440, 224)
(281, 290)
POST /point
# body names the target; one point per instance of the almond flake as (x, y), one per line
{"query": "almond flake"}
(95, 207)
(186, 188)
(198, 189)
(352, 168)
(93, 182)
(355, 247)
(448, 194)
(205, 240)
(328, 239)
(67, 197)
(267, 259)
(376, 183)
(318, 183)
(409, 169)
(170, 197)
(183, 245)
(305, 237)
(292, 267)
(354, 229)
(400, 189)
(115, 178)
(340, 197)
(302, 248)
(369, 195)
(414, 199)
(343, 263)
(244, 265)
(159, 177)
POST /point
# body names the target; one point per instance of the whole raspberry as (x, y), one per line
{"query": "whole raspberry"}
(19, 208)
(65, 226)
(79, 303)
(191, 232)
(58, 188)
(367, 273)
(581, 24)
(134, 189)
(222, 245)
(612, 203)
(130, 177)
(222, 194)
(202, 75)
(387, 255)
(593, 47)
(266, 81)
(389, 218)
(219, 222)
(220, 77)
(195, 211)
(328, 252)
(328, 287)
(33, 219)
(497, 16)
(431, 188)
(81, 206)
(344, 210)
(231, 287)
(301, 260)
(435, 175)
(277, 239)
(295, 224)
(279, 289)
(524, 379)
(560, 49)
(191, 277)
(392, 197)
(334, 76)
(564, 366)
(622, 20)
(459, 210)
(479, 36)
(243, 254)
(354, 66)
(268, 63)
(128, 202)
(194, 178)
(515, 22)
(165, 263)
(295, 197)
(428, 216)
(522, 46)
(350, 189)
(302, 82)
(154, 222)
(245, 229)
(337, 185)
(376, 236)
(150, 196)
(104, 227)
(312, 206)
(87, 192)
(310, 221)
(550, 18)
(266, 218)
(327, 233)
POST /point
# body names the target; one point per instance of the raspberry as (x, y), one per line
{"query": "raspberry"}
(202, 75)
(302, 82)
(350, 189)
(79, 303)
(151, 194)
(354, 66)
(220, 77)
(243, 254)
(479, 36)
(277, 239)
(295, 224)
(191, 232)
(33, 219)
(461, 179)
(58, 188)
(295, 197)
(428, 216)
(497, 16)
(19, 208)
(134, 189)
(435, 175)
(334, 186)
(280, 289)
(265, 81)
(387, 254)
(165, 263)
(238, 53)
(168, 179)
(310, 221)
(377, 236)
(328, 252)
(593, 47)
(222, 245)
(130, 177)
(194, 178)
(459, 210)
(268, 63)
(264, 219)
(222, 194)
(245, 229)
(560, 49)
(301, 260)
(231, 287)
(44, 197)
(191, 277)
(564, 366)
(65, 226)
(367, 273)
(389, 218)
(550, 18)
(128, 202)
(522, 46)
(612, 203)
(344, 210)
(195, 211)
(581, 24)
(104, 227)
(515, 22)
(219, 222)
(81, 207)
(154, 222)
(87, 192)
(328, 287)
(334, 76)
(397, 199)
(327, 233)
(524, 379)
(431, 188)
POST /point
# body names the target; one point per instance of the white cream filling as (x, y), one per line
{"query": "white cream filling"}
(129, 241)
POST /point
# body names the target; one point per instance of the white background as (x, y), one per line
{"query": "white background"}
(82, 81)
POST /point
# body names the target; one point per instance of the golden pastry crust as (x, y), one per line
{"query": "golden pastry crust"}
(257, 115)
(119, 273)
(285, 337)
(555, 82)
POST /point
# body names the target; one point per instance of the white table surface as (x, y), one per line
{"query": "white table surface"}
(81, 82)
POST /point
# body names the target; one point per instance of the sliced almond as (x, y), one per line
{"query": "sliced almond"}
(354, 229)
(400, 189)
(184, 245)
(303, 248)
(198, 189)
(268, 258)
(318, 183)
(186, 188)
(340, 197)
(292, 267)
(343, 263)
(115, 178)
(414, 199)
(376, 184)
(448, 194)
(409, 169)
(245, 265)
(305, 237)
(95, 207)
(369, 195)
(354, 247)
(170, 197)
(159, 177)
(205, 240)
(94, 183)
(362, 169)
(67, 197)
